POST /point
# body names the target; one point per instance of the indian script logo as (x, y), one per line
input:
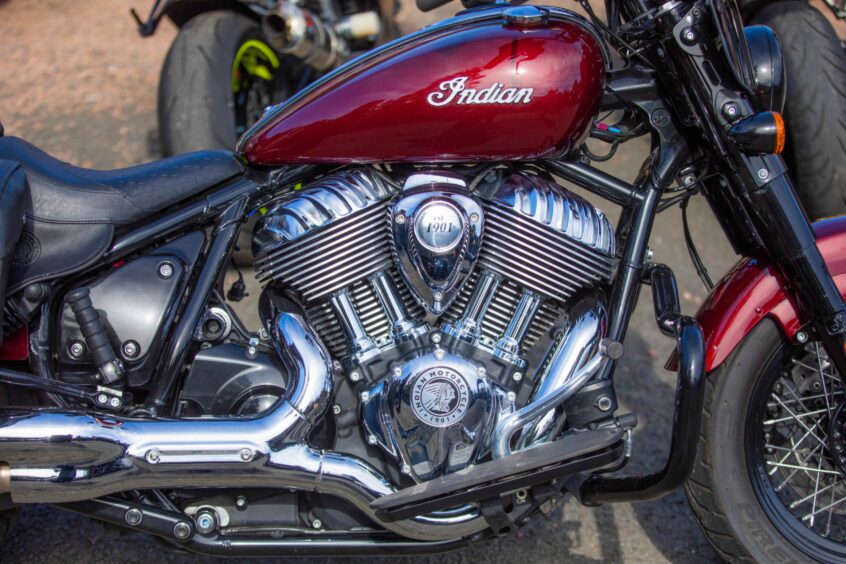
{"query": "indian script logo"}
(455, 90)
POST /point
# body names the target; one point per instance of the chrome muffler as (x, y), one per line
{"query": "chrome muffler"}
(56, 457)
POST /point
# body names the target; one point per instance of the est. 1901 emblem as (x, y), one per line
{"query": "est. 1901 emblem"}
(455, 90)
(439, 397)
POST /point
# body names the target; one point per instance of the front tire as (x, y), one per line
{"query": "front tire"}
(729, 492)
(218, 77)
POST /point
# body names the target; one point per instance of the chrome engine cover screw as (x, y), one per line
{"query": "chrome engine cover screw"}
(206, 522)
(263, 334)
(436, 338)
(355, 376)
(371, 439)
(397, 371)
(246, 454)
(182, 530)
(336, 409)
(133, 516)
(517, 376)
(438, 296)
(511, 396)
(474, 217)
(130, 349)
(406, 469)
(763, 174)
(801, 337)
(604, 403)
(240, 502)
(166, 270)
(76, 349)
(365, 396)
(317, 524)
(482, 370)
(152, 456)
(400, 218)
(103, 399)
(439, 354)
(114, 402)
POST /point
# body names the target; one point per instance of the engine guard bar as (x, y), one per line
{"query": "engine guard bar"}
(687, 418)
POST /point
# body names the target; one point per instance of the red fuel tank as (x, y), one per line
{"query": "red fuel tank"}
(505, 83)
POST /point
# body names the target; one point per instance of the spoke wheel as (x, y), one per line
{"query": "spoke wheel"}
(796, 449)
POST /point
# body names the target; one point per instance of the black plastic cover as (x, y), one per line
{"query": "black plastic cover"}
(12, 191)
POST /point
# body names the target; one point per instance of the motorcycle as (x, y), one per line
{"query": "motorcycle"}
(233, 59)
(442, 315)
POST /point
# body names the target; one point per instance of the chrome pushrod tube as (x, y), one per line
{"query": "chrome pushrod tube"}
(57, 457)
(575, 358)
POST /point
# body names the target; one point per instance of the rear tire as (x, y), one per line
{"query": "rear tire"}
(197, 106)
(815, 112)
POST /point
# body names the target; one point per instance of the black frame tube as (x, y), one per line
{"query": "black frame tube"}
(687, 417)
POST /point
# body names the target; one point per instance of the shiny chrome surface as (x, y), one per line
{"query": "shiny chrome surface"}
(574, 358)
(402, 326)
(328, 236)
(547, 239)
(435, 414)
(103, 455)
(437, 232)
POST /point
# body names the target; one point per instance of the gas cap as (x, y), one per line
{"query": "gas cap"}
(526, 16)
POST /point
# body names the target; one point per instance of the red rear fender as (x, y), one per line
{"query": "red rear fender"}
(754, 290)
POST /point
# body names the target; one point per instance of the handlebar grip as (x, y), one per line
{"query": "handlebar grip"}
(429, 5)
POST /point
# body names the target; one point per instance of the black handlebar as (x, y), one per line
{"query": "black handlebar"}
(429, 5)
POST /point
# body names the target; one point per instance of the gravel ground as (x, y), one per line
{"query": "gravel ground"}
(79, 82)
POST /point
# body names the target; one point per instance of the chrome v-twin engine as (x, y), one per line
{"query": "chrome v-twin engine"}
(432, 295)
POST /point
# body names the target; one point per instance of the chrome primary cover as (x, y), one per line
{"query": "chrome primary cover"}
(437, 232)
(435, 414)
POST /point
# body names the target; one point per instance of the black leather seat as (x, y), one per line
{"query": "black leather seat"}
(71, 212)
(65, 193)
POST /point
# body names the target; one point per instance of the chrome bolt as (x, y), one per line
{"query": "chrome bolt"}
(165, 270)
(130, 349)
(263, 334)
(521, 495)
(114, 402)
(688, 180)
(240, 502)
(400, 218)
(365, 396)
(439, 354)
(801, 337)
(511, 396)
(439, 296)
(406, 469)
(355, 376)
(336, 409)
(482, 370)
(517, 376)
(372, 440)
(152, 456)
(436, 338)
(649, 253)
(763, 173)
(604, 403)
(76, 349)
(181, 530)
(397, 371)
(246, 454)
(133, 516)
(474, 217)
(336, 364)
(103, 399)
(206, 522)
(317, 523)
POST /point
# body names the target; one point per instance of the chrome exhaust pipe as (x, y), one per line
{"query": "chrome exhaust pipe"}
(296, 31)
(56, 457)
(573, 359)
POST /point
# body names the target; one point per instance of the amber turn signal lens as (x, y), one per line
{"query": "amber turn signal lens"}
(781, 133)
(758, 134)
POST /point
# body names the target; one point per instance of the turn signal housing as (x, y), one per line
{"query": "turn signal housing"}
(761, 133)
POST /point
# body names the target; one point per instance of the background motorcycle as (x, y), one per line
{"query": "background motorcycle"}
(617, 192)
(234, 58)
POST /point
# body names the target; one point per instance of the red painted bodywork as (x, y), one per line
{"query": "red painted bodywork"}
(15, 346)
(376, 109)
(754, 290)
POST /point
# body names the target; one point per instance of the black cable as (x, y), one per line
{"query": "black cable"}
(601, 158)
(701, 270)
